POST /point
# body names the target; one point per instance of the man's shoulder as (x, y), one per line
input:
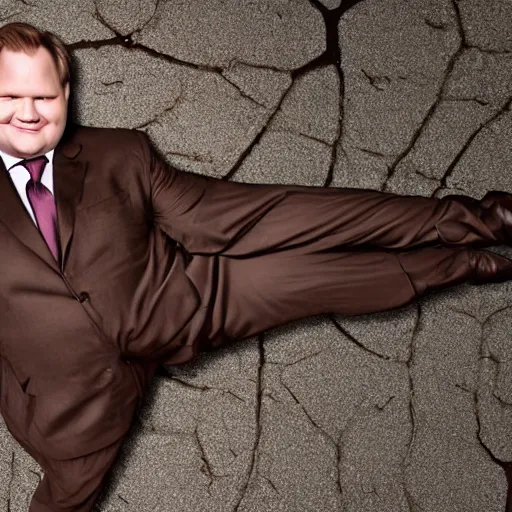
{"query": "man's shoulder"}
(94, 135)
(97, 143)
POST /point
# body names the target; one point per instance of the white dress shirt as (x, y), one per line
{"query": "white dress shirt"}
(20, 177)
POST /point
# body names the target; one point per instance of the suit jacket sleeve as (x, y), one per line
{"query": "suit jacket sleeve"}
(211, 216)
(73, 485)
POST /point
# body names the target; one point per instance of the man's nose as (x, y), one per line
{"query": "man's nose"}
(27, 111)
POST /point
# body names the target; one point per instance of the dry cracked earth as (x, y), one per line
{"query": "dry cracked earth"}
(407, 411)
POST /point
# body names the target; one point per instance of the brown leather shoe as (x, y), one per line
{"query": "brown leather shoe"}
(489, 267)
(499, 196)
(497, 214)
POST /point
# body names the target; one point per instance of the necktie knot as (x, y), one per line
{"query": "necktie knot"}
(35, 167)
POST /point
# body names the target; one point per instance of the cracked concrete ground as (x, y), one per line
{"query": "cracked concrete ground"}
(409, 410)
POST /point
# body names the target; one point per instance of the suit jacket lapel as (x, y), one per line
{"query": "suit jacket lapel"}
(16, 218)
(68, 179)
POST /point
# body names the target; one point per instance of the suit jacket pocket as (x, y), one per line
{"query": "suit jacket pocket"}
(15, 403)
(76, 419)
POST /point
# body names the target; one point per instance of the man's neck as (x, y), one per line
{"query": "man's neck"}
(10, 160)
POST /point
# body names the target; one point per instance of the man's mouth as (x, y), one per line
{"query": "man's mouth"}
(27, 130)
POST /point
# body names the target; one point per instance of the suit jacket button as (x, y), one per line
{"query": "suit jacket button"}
(83, 297)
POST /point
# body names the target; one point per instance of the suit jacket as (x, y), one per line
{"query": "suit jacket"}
(80, 338)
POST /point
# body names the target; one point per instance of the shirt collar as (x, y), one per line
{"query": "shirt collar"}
(10, 161)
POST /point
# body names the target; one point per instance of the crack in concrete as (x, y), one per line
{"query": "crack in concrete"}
(463, 388)
(372, 491)
(413, 506)
(123, 499)
(258, 428)
(301, 134)
(234, 62)
(409, 363)
(332, 56)
(194, 387)
(335, 444)
(158, 117)
(338, 453)
(269, 481)
(99, 17)
(168, 58)
(480, 101)
(272, 397)
(465, 313)
(489, 50)
(206, 467)
(230, 448)
(371, 152)
(10, 16)
(449, 171)
(242, 93)
(9, 486)
(503, 402)
(490, 357)
(255, 141)
(109, 84)
(496, 312)
(361, 345)
(127, 42)
(110, 88)
(385, 404)
(348, 426)
(506, 466)
(300, 360)
(339, 134)
(429, 178)
(436, 26)
(487, 354)
(440, 96)
(377, 81)
(157, 5)
(96, 44)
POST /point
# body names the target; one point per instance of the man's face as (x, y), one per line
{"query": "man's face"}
(33, 104)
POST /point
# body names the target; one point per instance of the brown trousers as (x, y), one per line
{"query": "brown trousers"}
(347, 251)
(343, 251)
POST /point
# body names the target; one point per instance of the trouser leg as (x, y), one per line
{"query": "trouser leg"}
(342, 218)
(310, 251)
(255, 294)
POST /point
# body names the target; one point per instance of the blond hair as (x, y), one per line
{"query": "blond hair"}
(22, 37)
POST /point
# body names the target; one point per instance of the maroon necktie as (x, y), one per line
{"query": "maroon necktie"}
(43, 203)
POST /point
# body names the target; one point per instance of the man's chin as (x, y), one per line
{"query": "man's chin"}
(27, 152)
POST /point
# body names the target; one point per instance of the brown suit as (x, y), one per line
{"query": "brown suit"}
(157, 264)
